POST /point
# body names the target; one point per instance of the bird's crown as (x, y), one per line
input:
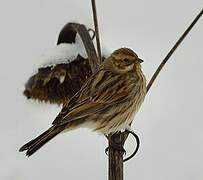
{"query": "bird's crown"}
(124, 52)
(125, 59)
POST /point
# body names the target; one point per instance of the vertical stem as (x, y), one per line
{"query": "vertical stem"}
(96, 30)
(116, 157)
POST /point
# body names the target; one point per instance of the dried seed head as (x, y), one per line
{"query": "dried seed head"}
(59, 83)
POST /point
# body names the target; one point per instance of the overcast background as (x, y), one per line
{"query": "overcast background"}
(170, 123)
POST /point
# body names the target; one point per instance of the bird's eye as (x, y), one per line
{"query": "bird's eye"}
(126, 60)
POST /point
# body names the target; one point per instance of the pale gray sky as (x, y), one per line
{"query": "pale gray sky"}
(170, 122)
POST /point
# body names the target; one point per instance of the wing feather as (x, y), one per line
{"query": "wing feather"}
(103, 89)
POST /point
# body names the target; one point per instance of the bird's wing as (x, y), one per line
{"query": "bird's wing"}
(103, 89)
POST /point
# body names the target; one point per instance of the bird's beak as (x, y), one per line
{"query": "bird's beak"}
(140, 60)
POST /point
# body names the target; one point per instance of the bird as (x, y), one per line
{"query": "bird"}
(106, 103)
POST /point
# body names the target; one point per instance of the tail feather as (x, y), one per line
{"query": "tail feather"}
(27, 145)
(35, 144)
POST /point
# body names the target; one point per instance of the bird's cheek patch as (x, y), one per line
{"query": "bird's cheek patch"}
(117, 62)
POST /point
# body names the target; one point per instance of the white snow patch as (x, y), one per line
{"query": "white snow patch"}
(63, 53)
(105, 51)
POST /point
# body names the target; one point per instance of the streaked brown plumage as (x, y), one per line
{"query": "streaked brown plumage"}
(106, 103)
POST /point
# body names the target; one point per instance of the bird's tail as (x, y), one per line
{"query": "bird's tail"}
(33, 145)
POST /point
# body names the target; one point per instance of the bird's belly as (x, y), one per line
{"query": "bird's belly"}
(116, 119)
(123, 121)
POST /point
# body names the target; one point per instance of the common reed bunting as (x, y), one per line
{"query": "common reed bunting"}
(106, 103)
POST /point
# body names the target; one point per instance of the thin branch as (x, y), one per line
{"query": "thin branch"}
(96, 30)
(126, 133)
(172, 50)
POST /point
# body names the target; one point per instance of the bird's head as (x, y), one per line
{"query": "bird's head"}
(124, 60)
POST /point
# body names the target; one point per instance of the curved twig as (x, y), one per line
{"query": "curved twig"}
(89, 46)
(126, 133)
(172, 50)
(120, 148)
(67, 35)
(137, 147)
(91, 30)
